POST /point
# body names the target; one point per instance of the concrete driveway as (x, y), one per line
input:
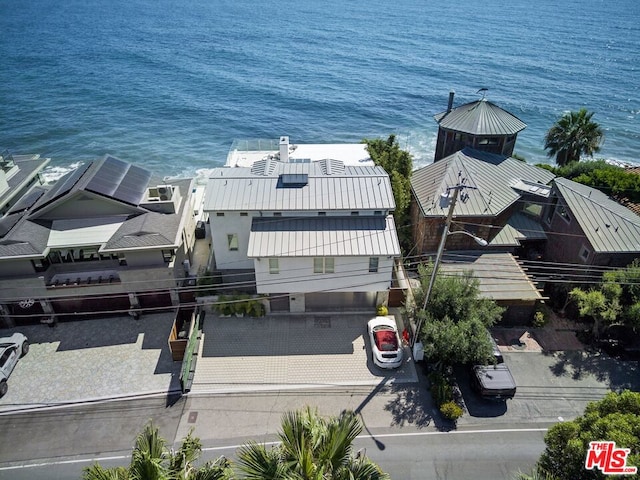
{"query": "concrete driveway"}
(92, 359)
(289, 351)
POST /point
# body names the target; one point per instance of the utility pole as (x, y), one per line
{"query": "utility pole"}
(436, 262)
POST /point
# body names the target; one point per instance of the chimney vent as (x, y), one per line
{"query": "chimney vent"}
(450, 105)
(284, 149)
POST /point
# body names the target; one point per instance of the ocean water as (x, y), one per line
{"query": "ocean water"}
(170, 84)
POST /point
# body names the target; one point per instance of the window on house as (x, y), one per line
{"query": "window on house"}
(564, 213)
(40, 265)
(232, 241)
(277, 214)
(243, 214)
(373, 264)
(122, 259)
(219, 214)
(355, 214)
(322, 214)
(273, 266)
(533, 209)
(167, 255)
(377, 212)
(552, 209)
(584, 253)
(323, 265)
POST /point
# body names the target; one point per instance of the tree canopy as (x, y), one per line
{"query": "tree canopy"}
(615, 300)
(628, 279)
(573, 135)
(398, 164)
(456, 318)
(151, 459)
(311, 447)
(615, 418)
(610, 179)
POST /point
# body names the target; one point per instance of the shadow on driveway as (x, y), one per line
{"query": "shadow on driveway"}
(577, 365)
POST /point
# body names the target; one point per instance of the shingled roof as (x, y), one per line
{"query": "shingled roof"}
(480, 118)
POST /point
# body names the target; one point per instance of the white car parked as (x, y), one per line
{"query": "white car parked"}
(11, 350)
(385, 342)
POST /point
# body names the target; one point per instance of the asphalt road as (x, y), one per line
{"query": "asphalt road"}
(402, 430)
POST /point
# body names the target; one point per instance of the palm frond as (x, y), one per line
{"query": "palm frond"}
(259, 463)
(98, 472)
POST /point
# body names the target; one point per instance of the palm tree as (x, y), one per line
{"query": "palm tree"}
(311, 448)
(573, 135)
(152, 460)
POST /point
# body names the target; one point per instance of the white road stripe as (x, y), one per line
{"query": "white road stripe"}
(235, 447)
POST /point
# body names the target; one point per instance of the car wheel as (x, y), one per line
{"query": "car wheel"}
(3, 388)
(25, 348)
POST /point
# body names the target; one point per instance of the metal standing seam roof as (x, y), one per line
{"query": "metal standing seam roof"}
(344, 188)
(323, 236)
(501, 277)
(608, 226)
(480, 118)
(519, 227)
(496, 179)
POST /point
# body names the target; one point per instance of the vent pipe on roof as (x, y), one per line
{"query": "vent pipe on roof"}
(450, 106)
(284, 149)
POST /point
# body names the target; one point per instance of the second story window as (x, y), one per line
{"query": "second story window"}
(274, 267)
(564, 213)
(232, 241)
(323, 265)
(373, 264)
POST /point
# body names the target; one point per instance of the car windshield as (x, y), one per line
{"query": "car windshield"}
(386, 339)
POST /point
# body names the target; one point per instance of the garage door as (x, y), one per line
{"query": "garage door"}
(340, 301)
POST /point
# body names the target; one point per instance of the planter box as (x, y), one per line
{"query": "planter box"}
(180, 330)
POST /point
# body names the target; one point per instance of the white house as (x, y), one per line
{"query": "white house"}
(314, 235)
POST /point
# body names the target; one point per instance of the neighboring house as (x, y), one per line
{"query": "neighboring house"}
(501, 278)
(585, 226)
(503, 193)
(18, 175)
(503, 205)
(481, 125)
(314, 235)
(100, 239)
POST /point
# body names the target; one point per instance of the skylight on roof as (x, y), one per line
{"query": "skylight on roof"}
(293, 180)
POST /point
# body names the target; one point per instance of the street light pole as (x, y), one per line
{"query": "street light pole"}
(436, 263)
(443, 240)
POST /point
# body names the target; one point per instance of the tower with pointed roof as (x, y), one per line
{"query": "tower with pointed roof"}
(481, 125)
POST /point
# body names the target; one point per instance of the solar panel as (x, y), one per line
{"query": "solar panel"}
(120, 180)
(8, 222)
(62, 186)
(27, 201)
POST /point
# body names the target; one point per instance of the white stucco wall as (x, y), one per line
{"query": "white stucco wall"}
(351, 274)
(231, 223)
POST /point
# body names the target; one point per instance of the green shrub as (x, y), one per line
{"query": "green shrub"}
(383, 311)
(539, 320)
(451, 410)
(441, 391)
